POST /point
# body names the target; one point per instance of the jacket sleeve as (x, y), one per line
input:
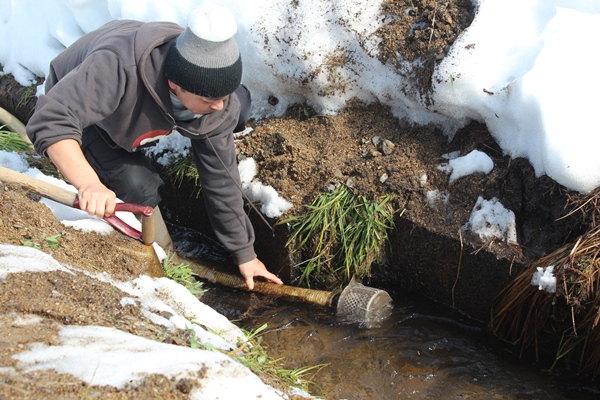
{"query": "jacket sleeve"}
(221, 188)
(86, 95)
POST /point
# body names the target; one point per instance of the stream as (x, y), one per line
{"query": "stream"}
(421, 351)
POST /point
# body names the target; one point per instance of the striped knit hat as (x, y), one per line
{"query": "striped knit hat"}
(205, 59)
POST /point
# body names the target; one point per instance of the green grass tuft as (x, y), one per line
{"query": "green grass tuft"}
(184, 168)
(345, 234)
(27, 93)
(183, 274)
(11, 141)
(254, 356)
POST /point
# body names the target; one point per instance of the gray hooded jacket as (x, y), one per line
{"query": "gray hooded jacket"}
(113, 78)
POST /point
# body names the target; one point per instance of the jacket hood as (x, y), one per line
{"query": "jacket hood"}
(150, 52)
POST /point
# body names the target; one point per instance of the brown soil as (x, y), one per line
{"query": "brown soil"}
(299, 154)
(302, 157)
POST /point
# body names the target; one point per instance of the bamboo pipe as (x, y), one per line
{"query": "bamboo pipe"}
(316, 297)
(356, 303)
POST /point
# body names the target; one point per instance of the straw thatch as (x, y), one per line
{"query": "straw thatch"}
(566, 321)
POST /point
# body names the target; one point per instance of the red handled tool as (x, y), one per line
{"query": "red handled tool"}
(119, 224)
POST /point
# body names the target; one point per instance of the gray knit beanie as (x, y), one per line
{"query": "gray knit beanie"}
(205, 59)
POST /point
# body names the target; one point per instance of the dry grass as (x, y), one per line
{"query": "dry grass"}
(568, 320)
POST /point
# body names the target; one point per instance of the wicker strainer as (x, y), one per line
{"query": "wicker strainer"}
(365, 305)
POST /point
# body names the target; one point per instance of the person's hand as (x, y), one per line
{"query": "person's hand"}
(96, 199)
(254, 268)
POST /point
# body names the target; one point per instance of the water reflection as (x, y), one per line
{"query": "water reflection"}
(419, 352)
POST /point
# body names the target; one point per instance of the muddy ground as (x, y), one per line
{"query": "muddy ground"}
(300, 155)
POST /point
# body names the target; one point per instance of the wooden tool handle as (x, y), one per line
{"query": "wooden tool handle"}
(44, 189)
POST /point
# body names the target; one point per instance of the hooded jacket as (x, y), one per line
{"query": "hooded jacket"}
(113, 78)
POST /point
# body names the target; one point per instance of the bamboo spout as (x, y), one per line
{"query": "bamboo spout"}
(317, 297)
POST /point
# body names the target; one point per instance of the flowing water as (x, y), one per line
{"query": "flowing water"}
(421, 351)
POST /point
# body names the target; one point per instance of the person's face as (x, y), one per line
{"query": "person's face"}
(197, 104)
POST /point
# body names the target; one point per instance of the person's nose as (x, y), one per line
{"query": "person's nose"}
(217, 105)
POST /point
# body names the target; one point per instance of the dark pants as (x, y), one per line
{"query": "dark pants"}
(130, 174)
